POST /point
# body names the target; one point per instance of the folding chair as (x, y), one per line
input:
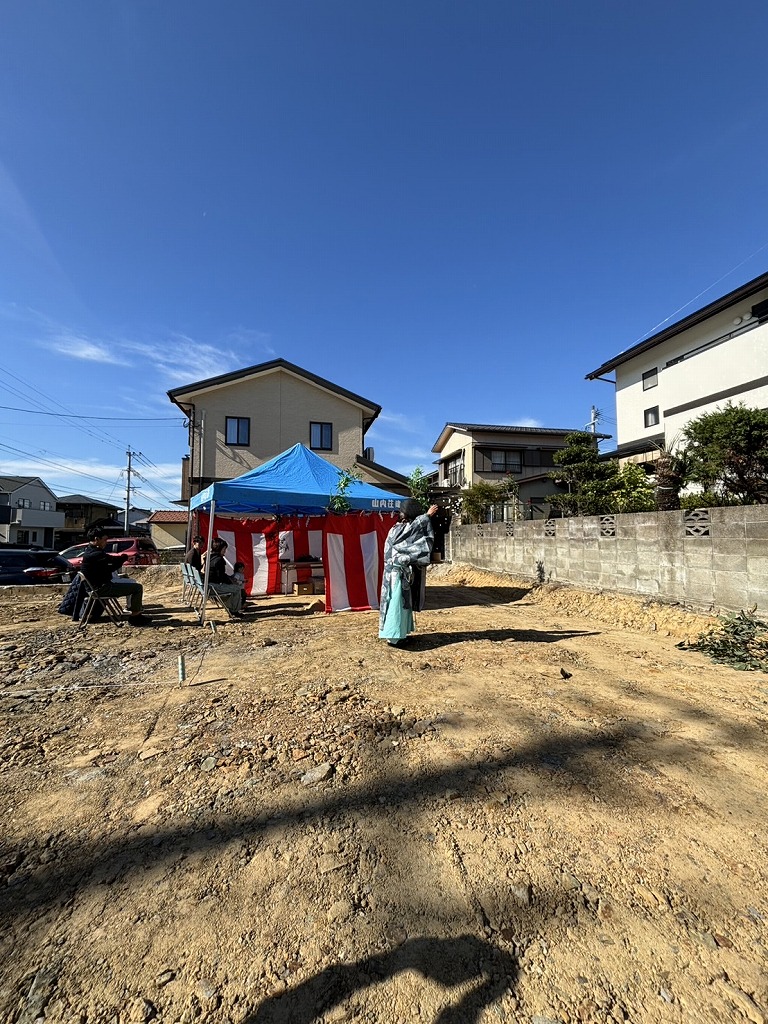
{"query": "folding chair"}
(213, 597)
(194, 586)
(110, 605)
(187, 584)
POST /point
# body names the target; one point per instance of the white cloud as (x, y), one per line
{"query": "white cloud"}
(398, 421)
(75, 346)
(523, 421)
(180, 359)
(177, 358)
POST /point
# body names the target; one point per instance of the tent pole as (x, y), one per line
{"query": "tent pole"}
(207, 562)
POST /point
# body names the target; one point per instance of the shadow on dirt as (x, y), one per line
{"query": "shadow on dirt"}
(82, 865)
(447, 961)
(430, 641)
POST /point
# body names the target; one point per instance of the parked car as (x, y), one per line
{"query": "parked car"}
(137, 551)
(22, 566)
(74, 554)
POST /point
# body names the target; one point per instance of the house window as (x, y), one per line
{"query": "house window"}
(453, 471)
(650, 379)
(46, 506)
(22, 536)
(321, 436)
(651, 416)
(547, 461)
(23, 503)
(238, 430)
(34, 536)
(506, 462)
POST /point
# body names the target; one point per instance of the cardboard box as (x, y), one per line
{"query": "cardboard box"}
(303, 588)
(318, 585)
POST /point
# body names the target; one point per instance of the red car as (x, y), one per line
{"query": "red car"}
(139, 551)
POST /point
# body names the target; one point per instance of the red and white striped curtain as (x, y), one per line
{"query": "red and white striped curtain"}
(351, 547)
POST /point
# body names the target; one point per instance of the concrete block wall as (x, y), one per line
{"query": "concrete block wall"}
(708, 559)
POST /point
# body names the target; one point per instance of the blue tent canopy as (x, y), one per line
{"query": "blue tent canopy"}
(295, 482)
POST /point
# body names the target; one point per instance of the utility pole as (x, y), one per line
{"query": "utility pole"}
(130, 455)
(595, 416)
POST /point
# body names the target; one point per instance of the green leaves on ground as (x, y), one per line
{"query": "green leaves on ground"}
(741, 641)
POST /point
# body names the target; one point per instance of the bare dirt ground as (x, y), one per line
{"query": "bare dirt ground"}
(541, 812)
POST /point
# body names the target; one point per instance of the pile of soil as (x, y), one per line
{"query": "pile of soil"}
(538, 811)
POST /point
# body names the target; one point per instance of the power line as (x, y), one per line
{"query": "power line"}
(39, 457)
(106, 438)
(115, 419)
(77, 420)
(702, 292)
(152, 498)
(56, 465)
(151, 485)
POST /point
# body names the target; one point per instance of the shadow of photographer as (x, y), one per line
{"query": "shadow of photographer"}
(449, 962)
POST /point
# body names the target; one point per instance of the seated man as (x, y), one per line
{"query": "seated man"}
(98, 566)
(194, 556)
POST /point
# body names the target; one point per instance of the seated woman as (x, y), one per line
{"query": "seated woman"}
(220, 582)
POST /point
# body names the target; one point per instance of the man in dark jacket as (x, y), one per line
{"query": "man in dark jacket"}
(98, 566)
(194, 556)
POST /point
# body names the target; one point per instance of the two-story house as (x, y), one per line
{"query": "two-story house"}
(697, 365)
(28, 513)
(469, 453)
(239, 420)
(80, 514)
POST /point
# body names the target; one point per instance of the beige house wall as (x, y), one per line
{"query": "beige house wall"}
(168, 535)
(280, 407)
(462, 442)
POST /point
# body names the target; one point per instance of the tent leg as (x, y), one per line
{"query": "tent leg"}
(207, 563)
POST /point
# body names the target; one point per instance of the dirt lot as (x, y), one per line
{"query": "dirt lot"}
(541, 812)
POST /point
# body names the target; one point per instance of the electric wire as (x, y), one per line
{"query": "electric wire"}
(48, 462)
(115, 419)
(104, 438)
(153, 487)
(704, 291)
(76, 420)
(39, 454)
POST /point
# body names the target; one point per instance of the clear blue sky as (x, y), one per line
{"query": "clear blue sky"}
(454, 209)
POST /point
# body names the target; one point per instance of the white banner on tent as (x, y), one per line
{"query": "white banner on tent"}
(230, 556)
(370, 548)
(288, 549)
(260, 564)
(336, 570)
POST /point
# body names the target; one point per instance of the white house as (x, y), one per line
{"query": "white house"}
(28, 513)
(718, 354)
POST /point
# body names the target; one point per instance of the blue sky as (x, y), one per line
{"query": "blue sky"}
(454, 209)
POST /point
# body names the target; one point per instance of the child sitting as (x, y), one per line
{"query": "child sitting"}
(238, 576)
